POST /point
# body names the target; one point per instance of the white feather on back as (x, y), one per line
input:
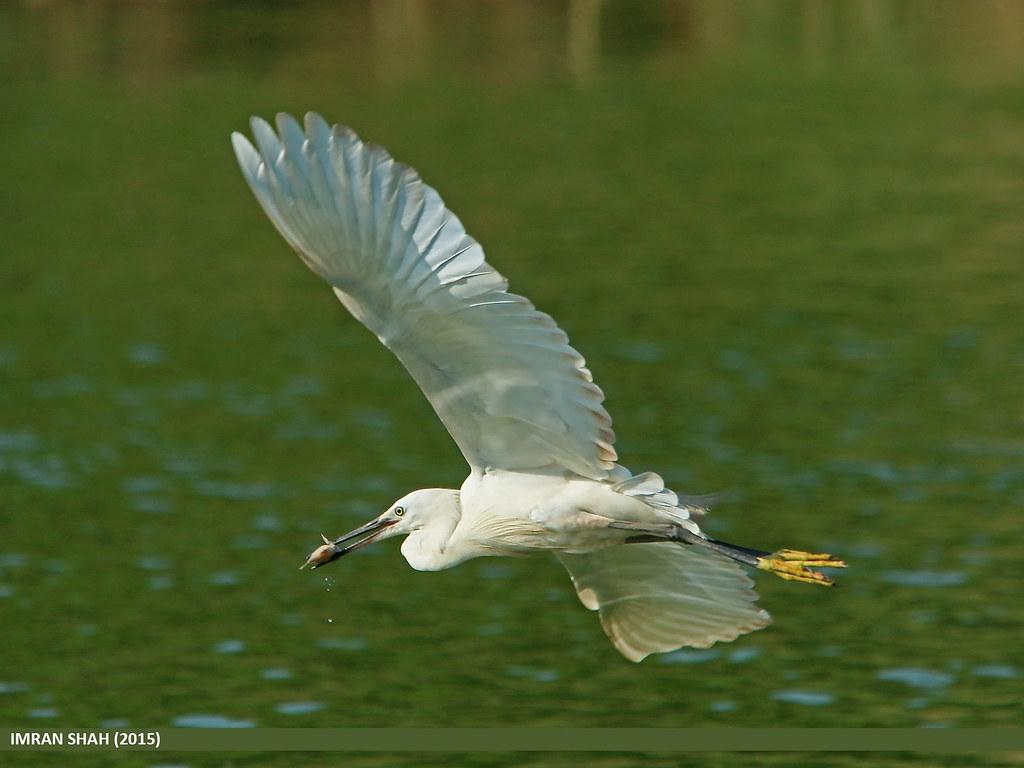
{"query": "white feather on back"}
(500, 374)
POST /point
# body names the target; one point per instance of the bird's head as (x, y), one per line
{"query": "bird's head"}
(409, 514)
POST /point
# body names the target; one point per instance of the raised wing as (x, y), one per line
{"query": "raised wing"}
(501, 375)
(658, 597)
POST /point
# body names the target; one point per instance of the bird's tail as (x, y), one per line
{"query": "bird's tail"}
(789, 564)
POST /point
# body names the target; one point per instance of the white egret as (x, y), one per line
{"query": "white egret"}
(517, 399)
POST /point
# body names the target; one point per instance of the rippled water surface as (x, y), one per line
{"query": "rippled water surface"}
(788, 237)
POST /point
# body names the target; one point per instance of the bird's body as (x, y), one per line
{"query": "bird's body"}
(517, 399)
(497, 512)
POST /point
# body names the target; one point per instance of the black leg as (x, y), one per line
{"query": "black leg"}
(649, 532)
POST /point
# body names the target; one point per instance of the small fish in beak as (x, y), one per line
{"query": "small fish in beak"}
(321, 555)
(360, 537)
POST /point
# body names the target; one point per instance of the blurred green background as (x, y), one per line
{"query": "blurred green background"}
(787, 235)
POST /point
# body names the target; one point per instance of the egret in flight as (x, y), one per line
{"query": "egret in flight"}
(517, 399)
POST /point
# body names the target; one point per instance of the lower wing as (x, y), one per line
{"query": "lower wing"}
(657, 597)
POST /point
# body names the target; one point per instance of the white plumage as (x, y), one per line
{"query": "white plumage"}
(517, 399)
(658, 597)
(501, 375)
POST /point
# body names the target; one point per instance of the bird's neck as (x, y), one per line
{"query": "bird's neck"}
(428, 548)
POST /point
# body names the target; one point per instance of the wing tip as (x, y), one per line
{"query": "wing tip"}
(313, 118)
(246, 154)
(286, 124)
(258, 124)
(267, 140)
(284, 117)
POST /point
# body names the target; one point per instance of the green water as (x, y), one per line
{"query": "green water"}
(788, 237)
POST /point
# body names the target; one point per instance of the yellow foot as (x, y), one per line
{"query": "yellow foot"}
(794, 565)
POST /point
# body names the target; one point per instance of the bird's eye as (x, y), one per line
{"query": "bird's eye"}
(399, 511)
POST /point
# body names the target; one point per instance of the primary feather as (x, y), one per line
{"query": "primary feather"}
(500, 374)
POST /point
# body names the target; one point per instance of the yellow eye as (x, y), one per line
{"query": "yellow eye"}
(399, 511)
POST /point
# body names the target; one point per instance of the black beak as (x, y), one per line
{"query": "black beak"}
(360, 537)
